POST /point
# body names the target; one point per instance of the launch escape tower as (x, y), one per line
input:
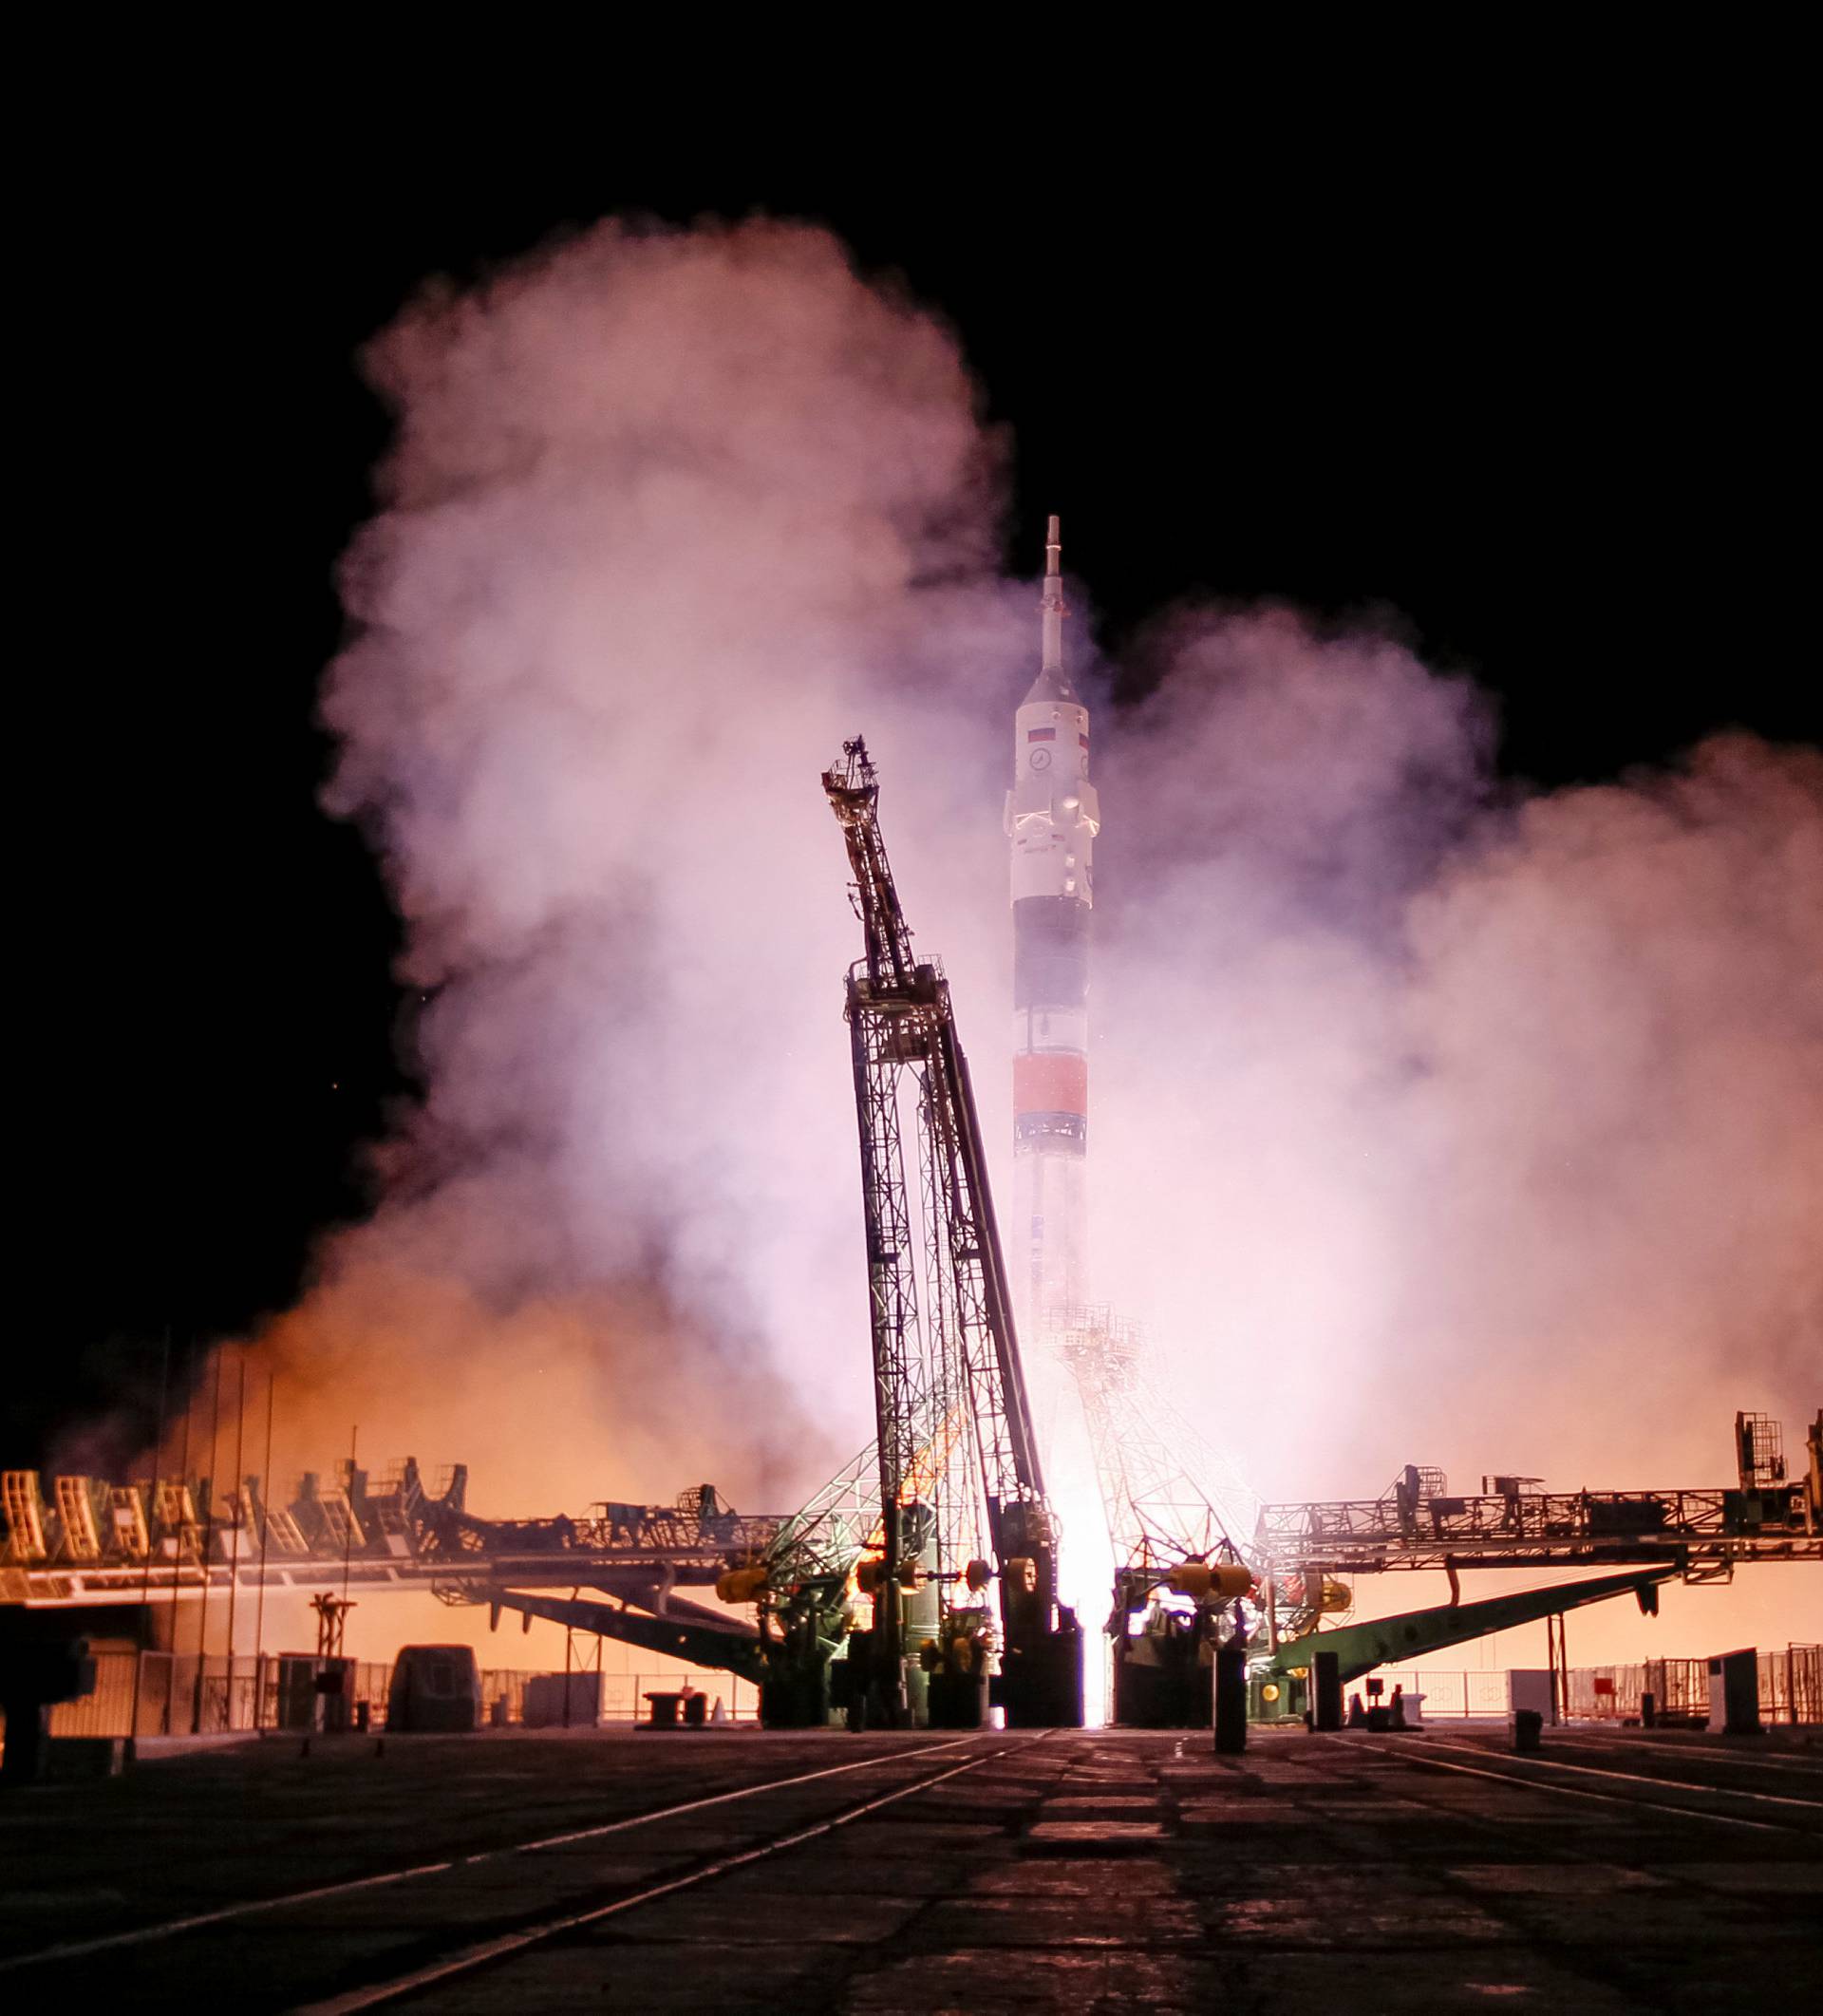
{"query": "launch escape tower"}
(960, 1476)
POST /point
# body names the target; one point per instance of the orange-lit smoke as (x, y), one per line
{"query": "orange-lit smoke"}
(557, 1400)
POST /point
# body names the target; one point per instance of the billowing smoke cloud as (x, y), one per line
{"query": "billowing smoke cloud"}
(1441, 1126)
(668, 515)
(1430, 1121)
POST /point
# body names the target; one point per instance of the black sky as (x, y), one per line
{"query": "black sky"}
(1534, 397)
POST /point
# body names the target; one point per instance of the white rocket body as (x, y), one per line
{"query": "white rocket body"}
(1052, 817)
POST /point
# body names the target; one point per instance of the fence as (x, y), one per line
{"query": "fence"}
(1615, 1693)
(1791, 1688)
(1804, 1683)
(181, 1694)
(623, 1695)
(1449, 1695)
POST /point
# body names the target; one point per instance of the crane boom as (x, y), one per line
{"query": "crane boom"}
(960, 1472)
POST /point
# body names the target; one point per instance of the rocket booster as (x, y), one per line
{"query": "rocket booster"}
(1052, 817)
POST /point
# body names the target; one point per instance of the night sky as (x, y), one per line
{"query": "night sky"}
(1535, 403)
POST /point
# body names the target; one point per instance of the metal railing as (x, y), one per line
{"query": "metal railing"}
(1791, 1689)
(1704, 1531)
(178, 1694)
(1445, 1696)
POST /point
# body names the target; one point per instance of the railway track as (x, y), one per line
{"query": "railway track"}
(375, 1938)
(1795, 1766)
(325, 1893)
(1611, 1974)
(1532, 1769)
(487, 1952)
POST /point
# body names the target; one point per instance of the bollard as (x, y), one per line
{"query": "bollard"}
(1326, 1672)
(1230, 1697)
(1527, 1726)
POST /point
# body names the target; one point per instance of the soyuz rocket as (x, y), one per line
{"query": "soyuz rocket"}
(1052, 817)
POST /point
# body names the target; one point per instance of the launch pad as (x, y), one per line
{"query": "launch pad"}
(83, 1555)
(921, 1586)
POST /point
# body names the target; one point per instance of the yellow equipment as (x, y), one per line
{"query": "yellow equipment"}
(1209, 1581)
(870, 1576)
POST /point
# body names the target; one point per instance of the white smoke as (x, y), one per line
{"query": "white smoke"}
(668, 515)
(1445, 1125)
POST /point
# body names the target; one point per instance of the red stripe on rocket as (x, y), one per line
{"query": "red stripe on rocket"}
(1051, 1081)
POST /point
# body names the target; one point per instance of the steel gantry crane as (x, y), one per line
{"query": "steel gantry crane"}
(961, 1491)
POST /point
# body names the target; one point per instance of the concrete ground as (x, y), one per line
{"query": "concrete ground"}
(1108, 1870)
